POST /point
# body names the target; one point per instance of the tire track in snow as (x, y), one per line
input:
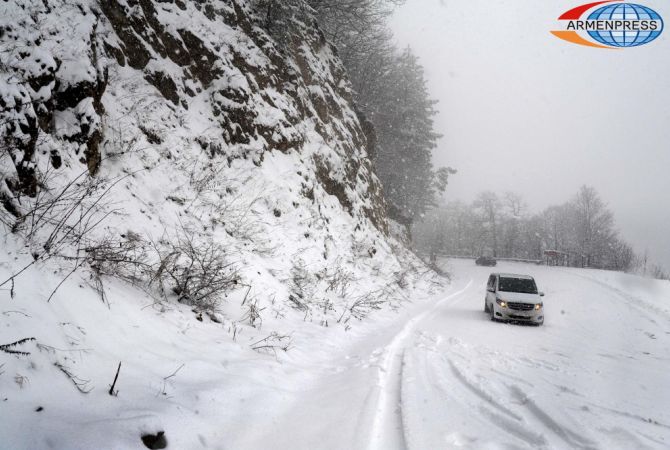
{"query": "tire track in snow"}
(572, 438)
(495, 412)
(479, 391)
(388, 430)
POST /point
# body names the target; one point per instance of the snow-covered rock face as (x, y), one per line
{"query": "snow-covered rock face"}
(50, 87)
(254, 95)
(203, 118)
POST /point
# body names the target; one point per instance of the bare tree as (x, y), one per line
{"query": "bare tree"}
(581, 230)
(515, 204)
(593, 224)
(489, 204)
(514, 207)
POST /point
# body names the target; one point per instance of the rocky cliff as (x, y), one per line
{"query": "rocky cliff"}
(223, 124)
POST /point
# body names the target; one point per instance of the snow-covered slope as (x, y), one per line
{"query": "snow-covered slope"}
(201, 124)
(146, 146)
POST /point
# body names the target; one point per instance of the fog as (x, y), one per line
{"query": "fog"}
(521, 110)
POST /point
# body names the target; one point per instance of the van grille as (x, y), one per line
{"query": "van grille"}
(520, 306)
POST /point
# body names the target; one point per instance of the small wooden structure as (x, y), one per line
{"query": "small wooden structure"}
(556, 258)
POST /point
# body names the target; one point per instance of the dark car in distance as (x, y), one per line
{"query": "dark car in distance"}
(485, 261)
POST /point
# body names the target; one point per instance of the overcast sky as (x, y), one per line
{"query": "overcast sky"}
(521, 110)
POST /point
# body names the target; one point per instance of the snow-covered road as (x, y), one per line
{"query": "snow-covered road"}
(442, 375)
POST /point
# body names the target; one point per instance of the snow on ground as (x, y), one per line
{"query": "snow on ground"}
(594, 376)
(442, 375)
(435, 374)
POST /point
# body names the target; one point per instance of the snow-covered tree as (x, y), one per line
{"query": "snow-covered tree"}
(489, 207)
(581, 230)
(391, 93)
(593, 224)
(406, 141)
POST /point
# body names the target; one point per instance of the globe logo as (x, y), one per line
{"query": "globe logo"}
(625, 12)
(611, 25)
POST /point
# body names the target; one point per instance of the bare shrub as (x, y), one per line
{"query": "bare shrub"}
(338, 280)
(81, 384)
(225, 205)
(273, 342)
(301, 285)
(64, 218)
(127, 258)
(253, 314)
(199, 273)
(252, 310)
(59, 224)
(361, 306)
(194, 268)
(21, 380)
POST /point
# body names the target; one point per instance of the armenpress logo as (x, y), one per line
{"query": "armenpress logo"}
(610, 24)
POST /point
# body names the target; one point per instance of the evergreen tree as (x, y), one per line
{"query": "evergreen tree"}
(391, 93)
(406, 141)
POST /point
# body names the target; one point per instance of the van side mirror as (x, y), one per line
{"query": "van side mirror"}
(491, 289)
(541, 294)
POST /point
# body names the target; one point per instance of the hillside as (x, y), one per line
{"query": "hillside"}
(185, 187)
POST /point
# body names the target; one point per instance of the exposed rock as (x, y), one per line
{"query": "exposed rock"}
(155, 441)
(268, 88)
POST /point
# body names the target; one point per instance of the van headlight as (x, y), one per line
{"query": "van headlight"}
(502, 303)
(538, 306)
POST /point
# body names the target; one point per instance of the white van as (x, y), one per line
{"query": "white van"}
(513, 297)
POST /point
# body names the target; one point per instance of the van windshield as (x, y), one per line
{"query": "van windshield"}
(523, 285)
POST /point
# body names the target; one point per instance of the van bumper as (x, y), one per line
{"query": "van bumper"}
(511, 315)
